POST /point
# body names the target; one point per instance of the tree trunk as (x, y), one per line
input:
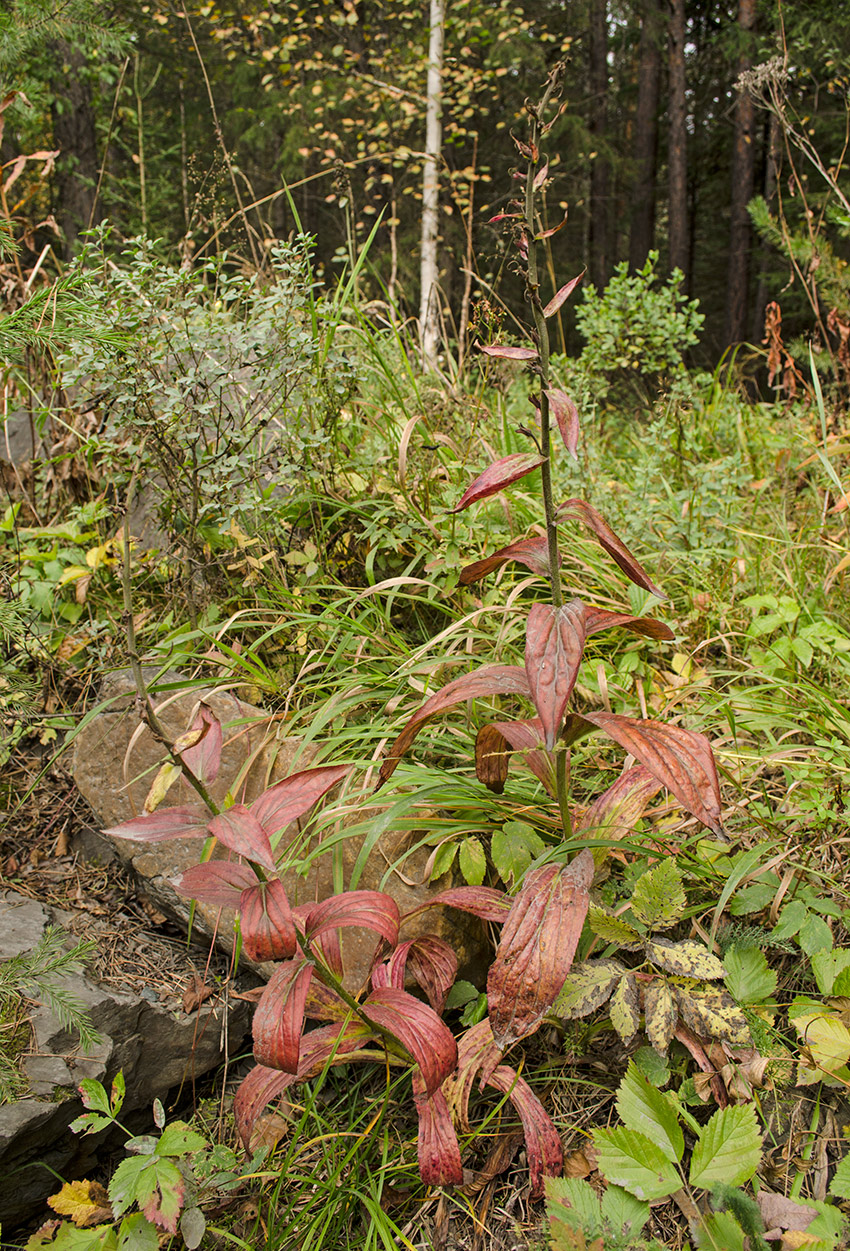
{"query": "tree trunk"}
(429, 308)
(743, 173)
(771, 167)
(600, 173)
(642, 233)
(677, 155)
(74, 134)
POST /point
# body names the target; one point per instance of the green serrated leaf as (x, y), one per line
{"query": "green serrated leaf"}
(126, 1183)
(685, 959)
(587, 987)
(178, 1139)
(791, 918)
(728, 1149)
(513, 848)
(815, 935)
(659, 1013)
(644, 1108)
(653, 1066)
(443, 860)
(472, 861)
(90, 1123)
(624, 1008)
(575, 1202)
(633, 1161)
(753, 898)
(94, 1096)
(136, 1233)
(712, 1013)
(841, 985)
(613, 929)
(658, 899)
(623, 1214)
(840, 1184)
(719, 1229)
(749, 978)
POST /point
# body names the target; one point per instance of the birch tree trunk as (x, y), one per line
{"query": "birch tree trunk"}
(429, 308)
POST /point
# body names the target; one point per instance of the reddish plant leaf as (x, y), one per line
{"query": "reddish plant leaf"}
(279, 1018)
(500, 217)
(554, 646)
(327, 945)
(527, 737)
(219, 882)
(239, 829)
(682, 760)
(566, 414)
(438, 1147)
(265, 919)
(508, 352)
(561, 297)
(616, 811)
(488, 680)
(418, 1028)
(553, 230)
(369, 909)
(579, 510)
(596, 619)
(477, 1052)
(532, 553)
(204, 756)
(491, 758)
(336, 1043)
(498, 476)
(290, 799)
(541, 176)
(542, 1141)
(537, 947)
(432, 963)
(188, 821)
(482, 901)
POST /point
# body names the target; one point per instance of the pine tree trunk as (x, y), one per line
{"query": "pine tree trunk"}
(743, 174)
(600, 174)
(677, 155)
(429, 308)
(74, 134)
(642, 233)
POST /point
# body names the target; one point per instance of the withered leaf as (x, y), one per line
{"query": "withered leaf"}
(560, 297)
(660, 1014)
(533, 553)
(195, 992)
(685, 959)
(537, 947)
(587, 987)
(565, 413)
(613, 929)
(615, 813)
(624, 1007)
(491, 758)
(542, 1141)
(507, 351)
(712, 1013)
(438, 1148)
(682, 760)
(527, 737)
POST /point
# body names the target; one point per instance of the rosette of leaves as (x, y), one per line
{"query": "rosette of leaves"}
(668, 984)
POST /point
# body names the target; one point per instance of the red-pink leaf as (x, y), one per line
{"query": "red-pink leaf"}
(488, 680)
(369, 909)
(500, 217)
(498, 476)
(682, 760)
(554, 646)
(204, 757)
(290, 799)
(438, 1148)
(265, 919)
(219, 882)
(432, 963)
(482, 901)
(334, 1043)
(537, 947)
(279, 1018)
(553, 230)
(527, 737)
(541, 176)
(596, 619)
(532, 553)
(616, 811)
(418, 1028)
(476, 1052)
(542, 1141)
(189, 821)
(580, 510)
(239, 829)
(561, 297)
(509, 352)
(566, 414)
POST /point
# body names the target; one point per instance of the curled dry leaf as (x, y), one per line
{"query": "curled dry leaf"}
(560, 297)
(580, 510)
(502, 473)
(418, 1028)
(533, 553)
(491, 758)
(488, 680)
(565, 413)
(542, 1141)
(527, 737)
(537, 947)
(508, 352)
(682, 760)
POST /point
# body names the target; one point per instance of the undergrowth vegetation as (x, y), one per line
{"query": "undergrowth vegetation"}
(254, 486)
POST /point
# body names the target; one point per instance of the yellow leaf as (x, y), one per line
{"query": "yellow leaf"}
(72, 572)
(85, 1202)
(97, 556)
(826, 1038)
(168, 774)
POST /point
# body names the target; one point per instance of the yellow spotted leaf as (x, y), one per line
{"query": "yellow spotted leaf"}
(685, 959)
(712, 1013)
(624, 1010)
(613, 929)
(660, 1014)
(827, 1038)
(587, 987)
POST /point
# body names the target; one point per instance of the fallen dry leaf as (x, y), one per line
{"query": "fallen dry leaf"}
(195, 993)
